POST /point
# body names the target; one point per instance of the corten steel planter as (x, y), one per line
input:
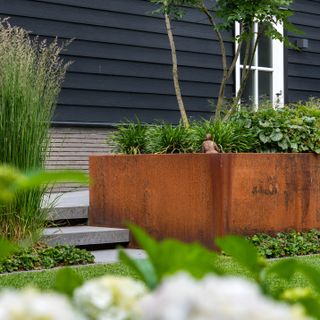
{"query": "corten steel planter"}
(196, 197)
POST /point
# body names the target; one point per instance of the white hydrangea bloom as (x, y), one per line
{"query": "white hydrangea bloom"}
(110, 298)
(181, 297)
(30, 304)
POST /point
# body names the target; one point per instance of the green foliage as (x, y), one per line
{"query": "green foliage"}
(243, 252)
(66, 281)
(168, 257)
(286, 244)
(13, 181)
(167, 138)
(6, 248)
(265, 12)
(43, 257)
(231, 136)
(294, 129)
(31, 73)
(171, 256)
(130, 138)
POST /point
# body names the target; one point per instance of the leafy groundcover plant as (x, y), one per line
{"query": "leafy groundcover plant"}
(286, 244)
(294, 128)
(43, 257)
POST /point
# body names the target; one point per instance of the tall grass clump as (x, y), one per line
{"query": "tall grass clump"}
(167, 138)
(31, 74)
(230, 136)
(130, 138)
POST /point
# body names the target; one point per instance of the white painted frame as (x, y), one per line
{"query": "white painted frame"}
(277, 69)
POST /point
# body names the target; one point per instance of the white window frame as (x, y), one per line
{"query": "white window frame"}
(277, 68)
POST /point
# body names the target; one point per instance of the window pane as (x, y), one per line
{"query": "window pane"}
(265, 52)
(243, 50)
(265, 85)
(248, 93)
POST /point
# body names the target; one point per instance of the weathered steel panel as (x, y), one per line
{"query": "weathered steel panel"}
(195, 197)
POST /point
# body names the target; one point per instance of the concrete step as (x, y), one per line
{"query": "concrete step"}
(68, 213)
(67, 206)
(85, 236)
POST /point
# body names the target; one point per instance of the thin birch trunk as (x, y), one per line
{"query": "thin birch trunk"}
(175, 73)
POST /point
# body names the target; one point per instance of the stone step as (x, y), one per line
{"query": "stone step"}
(68, 213)
(67, 206)
(85, 236)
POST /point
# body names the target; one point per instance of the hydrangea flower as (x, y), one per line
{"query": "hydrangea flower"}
(35, 305)
(181, 297)
(110, 298)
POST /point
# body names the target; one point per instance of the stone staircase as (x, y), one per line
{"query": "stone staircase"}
(68, 219)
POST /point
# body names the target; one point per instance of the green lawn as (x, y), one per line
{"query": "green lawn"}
(45, 279)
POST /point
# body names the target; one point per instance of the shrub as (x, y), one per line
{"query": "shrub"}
(295, 129)
(287, 244)
(31, 73)
(43, 257)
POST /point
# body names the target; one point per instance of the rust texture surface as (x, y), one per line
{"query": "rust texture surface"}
(195, 197)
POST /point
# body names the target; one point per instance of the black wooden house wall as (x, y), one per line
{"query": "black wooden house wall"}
(303, 68)
(122, 63)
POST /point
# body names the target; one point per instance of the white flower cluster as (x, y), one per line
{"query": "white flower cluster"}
(30, 304)
(181, 297)
(110, 298)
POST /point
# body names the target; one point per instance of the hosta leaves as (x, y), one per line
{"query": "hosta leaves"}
(276, 135)
(263, 137)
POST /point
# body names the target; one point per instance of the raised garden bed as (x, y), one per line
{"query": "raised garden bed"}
(196, 197)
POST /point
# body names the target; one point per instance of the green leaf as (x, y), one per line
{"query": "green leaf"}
(276, 136)
(263, 137)
(312, 306)
(175, 256)
(37, 178)
(286, 269)
(66, 281)
(7, 248)
(143, 268)
(283, 144)
(168, 257)
(242, 251)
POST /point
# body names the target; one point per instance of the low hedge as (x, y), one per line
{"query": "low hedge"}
(295, 128)
(44, 257)
(287, 244)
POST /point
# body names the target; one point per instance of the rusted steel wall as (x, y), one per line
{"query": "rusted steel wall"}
(195, 197)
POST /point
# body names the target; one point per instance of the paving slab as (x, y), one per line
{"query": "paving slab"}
(111, 255)
(68, 199)
(67, 206)
(85, 236)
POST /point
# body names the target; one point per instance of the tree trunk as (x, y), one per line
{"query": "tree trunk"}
(175, 74)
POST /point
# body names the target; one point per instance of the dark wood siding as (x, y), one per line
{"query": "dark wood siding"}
(304, 66)
(122, 62)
